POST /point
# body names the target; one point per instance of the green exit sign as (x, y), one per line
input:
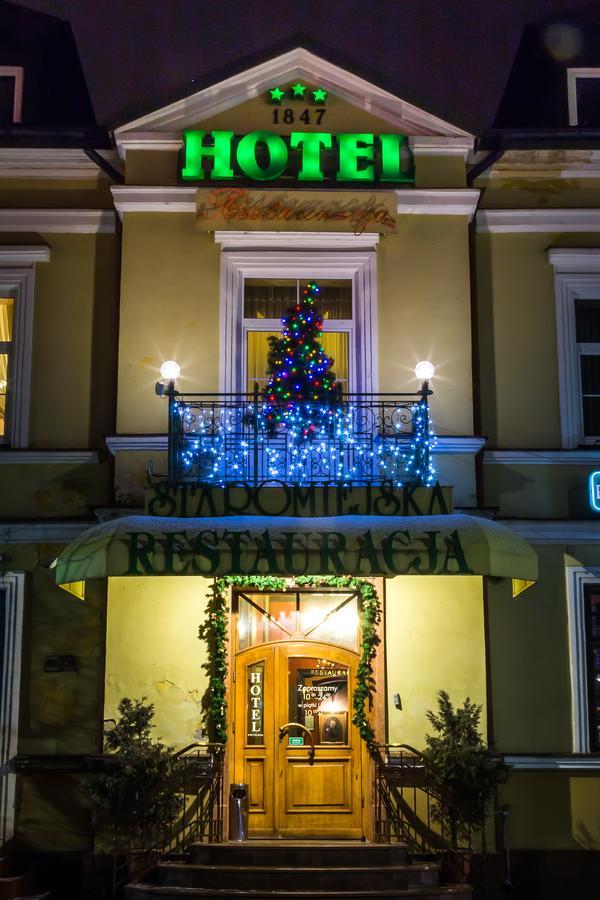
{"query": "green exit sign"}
(296, 742)
(303, 156)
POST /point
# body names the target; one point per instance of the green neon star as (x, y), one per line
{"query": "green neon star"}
(320, 95)
(276, 95)
(298, 89)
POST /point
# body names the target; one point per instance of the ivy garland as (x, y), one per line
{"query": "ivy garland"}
(214, 632)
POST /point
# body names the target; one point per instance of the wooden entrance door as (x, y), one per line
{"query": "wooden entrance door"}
(279, 687)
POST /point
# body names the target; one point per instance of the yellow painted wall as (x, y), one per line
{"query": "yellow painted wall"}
(517, 328)
(60, 712)
(424, 313)
(74, 342)
(153, 651)
(552, 810)
(434, 641)
(538, 491)
(49, 490)
(529, 661)
(169, 310)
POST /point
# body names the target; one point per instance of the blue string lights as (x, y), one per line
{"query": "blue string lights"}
(345, 446)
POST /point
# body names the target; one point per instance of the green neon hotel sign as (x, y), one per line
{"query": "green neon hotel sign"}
(305, 156)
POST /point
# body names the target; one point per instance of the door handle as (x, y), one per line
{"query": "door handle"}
(285, 729)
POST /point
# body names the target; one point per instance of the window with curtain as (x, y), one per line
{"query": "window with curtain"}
(265, 302)
(6, 333)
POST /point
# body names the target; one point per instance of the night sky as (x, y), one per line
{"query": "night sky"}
(452, 57)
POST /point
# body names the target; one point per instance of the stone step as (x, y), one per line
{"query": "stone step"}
(311, 878)
(299, 854)
(12, 886)
(170, 892)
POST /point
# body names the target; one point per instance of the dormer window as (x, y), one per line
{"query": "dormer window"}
(583, 88)
(11, 95)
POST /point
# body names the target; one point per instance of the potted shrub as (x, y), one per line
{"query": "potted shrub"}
(462, 774)
(134, 795)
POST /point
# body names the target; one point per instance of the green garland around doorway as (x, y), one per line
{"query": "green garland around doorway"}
(214, 632)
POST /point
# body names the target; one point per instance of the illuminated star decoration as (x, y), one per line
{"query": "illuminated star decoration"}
(298, 90)
(320, 95)
(277, 95)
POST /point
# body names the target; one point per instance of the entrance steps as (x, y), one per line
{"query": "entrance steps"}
(296, 870)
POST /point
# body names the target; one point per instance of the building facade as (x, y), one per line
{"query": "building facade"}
(185, 236)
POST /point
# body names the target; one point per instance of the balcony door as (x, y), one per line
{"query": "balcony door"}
(294, 744)
(258, 286)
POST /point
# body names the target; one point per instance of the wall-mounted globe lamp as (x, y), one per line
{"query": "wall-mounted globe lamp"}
(424, 370)
(170, 372)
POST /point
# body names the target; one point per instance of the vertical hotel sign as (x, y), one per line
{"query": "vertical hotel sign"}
(594, 491)
(255, 718)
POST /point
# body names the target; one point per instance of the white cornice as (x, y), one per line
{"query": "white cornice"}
(578, 260)
(166, 141)
(41, 162)
(42, 532)
(553, 763)
(24, 255)
(116, 443)
(296, 64)
(438, 202)
(48, 457)
(299, 240)
(581, 457)
(434, 202)
(428, 145)
(552, 531)
(510, 221)
(58, 221)
(154, 199)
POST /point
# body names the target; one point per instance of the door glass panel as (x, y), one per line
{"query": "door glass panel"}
(335, 344)
(330, 618)
(318, 698)
(255, 703)
(265, 617)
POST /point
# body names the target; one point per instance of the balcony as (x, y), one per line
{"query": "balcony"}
(365, 439)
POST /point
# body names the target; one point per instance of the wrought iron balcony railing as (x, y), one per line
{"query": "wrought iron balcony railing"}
(364, 439)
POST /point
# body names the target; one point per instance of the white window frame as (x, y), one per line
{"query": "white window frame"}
(578, 578)
(21, 281)
(359, 268)
(576, 276)
(15, 72)
(572, 75)
(13, 585)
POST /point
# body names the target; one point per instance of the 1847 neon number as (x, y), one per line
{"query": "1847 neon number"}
(288, 116)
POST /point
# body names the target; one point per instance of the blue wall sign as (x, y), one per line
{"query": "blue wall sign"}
(594, 483)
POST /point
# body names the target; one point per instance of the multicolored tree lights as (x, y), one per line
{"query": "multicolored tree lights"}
(301, 378)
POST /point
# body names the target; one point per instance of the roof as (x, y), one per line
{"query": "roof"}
(55, 94)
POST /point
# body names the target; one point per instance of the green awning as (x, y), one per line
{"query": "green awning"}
(252, 545)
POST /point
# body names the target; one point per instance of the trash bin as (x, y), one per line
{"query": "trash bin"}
(238, 812)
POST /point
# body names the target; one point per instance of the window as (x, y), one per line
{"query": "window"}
(11, 95)
(583, 599)
(265, 302)
(6, 335)
(327, 617)
(17, 270)
(256, 287)
(583, 90)
(577, 297)
(11, 624)
(592, 628)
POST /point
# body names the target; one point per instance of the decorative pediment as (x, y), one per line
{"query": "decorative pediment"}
(162, 128)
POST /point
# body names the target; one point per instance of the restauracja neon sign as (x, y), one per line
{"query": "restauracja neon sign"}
(307, 156)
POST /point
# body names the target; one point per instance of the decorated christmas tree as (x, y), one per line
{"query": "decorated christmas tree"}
(302, 386)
